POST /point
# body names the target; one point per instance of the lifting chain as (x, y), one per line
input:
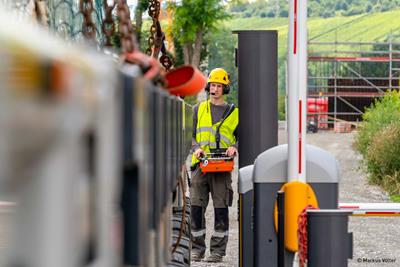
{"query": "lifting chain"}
(41, 12)
(302, 235)
(129, 47)
(157, 37)
(165, 60)
(88, 26)
(108, 23)
(125, 29)
(154, 12)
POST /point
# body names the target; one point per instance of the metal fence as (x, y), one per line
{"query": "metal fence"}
(63, 17)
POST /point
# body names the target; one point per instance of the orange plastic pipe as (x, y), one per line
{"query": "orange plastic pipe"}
(186, 80)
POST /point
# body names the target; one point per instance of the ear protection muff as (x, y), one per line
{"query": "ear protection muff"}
(207, 88)
(225, 91)
(227, 87)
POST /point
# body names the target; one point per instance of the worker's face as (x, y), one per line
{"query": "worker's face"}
(216, 90)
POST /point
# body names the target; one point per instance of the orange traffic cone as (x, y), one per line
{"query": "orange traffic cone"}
(186, 80)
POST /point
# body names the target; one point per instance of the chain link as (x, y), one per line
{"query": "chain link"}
(166, 61)
(88, 26)
(127, 37)
(107, 26)
(130, 51)
(302, 235)
(154, 12)
(157, 37)
(41, 12)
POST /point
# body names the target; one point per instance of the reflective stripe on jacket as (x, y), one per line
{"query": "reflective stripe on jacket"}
(206, 131)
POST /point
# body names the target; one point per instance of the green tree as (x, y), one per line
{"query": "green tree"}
(142, 6)
(221, 54)
(192, 20)
(237, 5)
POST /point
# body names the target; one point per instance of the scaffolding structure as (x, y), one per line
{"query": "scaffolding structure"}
(351, 75)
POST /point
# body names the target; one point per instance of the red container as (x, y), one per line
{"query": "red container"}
(318, 105)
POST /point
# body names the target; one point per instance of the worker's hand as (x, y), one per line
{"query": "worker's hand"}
(231, 151)
(198, 153)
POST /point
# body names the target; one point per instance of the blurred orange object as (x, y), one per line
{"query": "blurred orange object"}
(186, 80)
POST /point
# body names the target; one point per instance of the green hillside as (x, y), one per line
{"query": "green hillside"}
(368, 27)
(359, 28)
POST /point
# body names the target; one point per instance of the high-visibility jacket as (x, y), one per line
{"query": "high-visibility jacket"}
(206, 131)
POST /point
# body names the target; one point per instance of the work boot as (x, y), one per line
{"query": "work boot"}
(196, 256)
(214, 258)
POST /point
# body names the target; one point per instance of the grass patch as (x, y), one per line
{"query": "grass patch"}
(395, 198)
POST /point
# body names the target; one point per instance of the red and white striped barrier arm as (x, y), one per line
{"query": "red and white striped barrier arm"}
(372, 209)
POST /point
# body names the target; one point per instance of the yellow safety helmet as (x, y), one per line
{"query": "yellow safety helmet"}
(218, 75)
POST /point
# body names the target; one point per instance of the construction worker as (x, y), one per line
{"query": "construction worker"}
(207, 118)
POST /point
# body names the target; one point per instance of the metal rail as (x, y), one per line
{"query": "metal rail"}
(326, 68)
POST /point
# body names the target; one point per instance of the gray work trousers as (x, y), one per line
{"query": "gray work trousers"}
(220, 187)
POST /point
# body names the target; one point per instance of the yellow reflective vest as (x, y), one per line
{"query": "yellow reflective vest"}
(206, 131)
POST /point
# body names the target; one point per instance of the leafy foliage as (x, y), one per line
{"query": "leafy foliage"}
(143, 5)
(378, 140)
(316, 8)
(383, 113)
(193, 19)
(383, 158)
(192, 15)
(395, 198)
